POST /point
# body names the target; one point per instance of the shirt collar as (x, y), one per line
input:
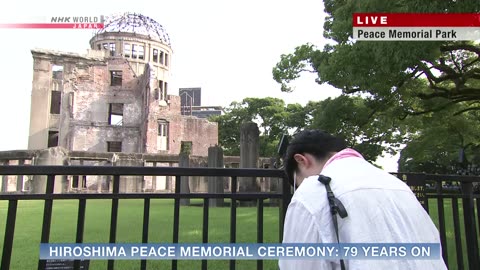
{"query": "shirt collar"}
(347, 152)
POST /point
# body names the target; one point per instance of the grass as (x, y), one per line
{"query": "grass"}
(452, 251)
(29, 224)
(30, 213)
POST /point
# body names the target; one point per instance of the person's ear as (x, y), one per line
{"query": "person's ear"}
(300, 159)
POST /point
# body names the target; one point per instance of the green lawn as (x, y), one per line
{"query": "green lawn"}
(449, 227)
(29, 222)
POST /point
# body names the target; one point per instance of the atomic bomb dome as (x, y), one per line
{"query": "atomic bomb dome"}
(116, 97)
(138, 39)
(136, 24)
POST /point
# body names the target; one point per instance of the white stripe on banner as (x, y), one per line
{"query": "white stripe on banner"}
(9, 19)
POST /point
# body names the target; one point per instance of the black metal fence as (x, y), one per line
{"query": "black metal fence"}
(456, 200)
(49, 196)
(451, 200)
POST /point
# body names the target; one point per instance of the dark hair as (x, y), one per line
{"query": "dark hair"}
(315, 142)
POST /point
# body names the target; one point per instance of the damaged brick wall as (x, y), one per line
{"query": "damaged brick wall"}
(92, 104)
(147, 83)
(92, 109)
(40, 103)
(200, 132)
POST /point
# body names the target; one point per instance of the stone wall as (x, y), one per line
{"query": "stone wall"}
(200, 132)
(78, 71)
(101, 184)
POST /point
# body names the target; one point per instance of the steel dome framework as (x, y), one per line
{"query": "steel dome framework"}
(137, 24)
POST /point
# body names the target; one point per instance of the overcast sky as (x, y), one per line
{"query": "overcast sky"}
(228, 48)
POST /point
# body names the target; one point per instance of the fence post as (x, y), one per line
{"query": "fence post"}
(20, 177)
(249, 153)
(215, 183)
(441, 220)
(50, 156)
(184, 162)
(286, 198)
(470, 227)
(129, 183)
(4, 182)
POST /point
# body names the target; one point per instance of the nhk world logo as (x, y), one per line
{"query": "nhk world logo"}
(79, 22)
(55, 22)
(77, 19)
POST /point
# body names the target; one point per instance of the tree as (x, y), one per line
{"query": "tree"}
(272, 115)
(367, 130)
(389, 72)
(229, 128)
(439, 141)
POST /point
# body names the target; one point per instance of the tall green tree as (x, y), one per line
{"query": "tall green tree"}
(389, 72)
(365, 129)
(272, 115)
(370, 131)
(440, 140)
(229, 128)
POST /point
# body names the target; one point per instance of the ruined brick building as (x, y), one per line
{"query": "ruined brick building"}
(112, 107)
(116, 97)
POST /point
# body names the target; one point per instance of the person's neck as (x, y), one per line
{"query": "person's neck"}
(318, 167)
(325, 160)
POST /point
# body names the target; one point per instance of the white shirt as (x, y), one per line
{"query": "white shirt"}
(381, 209)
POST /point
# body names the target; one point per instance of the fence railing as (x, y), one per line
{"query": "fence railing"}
(49, 196)
(451, 201)
(455, 189)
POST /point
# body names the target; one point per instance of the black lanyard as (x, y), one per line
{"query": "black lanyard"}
(336, 207)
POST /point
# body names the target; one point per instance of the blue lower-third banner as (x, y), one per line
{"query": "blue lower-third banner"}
(356, 251)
